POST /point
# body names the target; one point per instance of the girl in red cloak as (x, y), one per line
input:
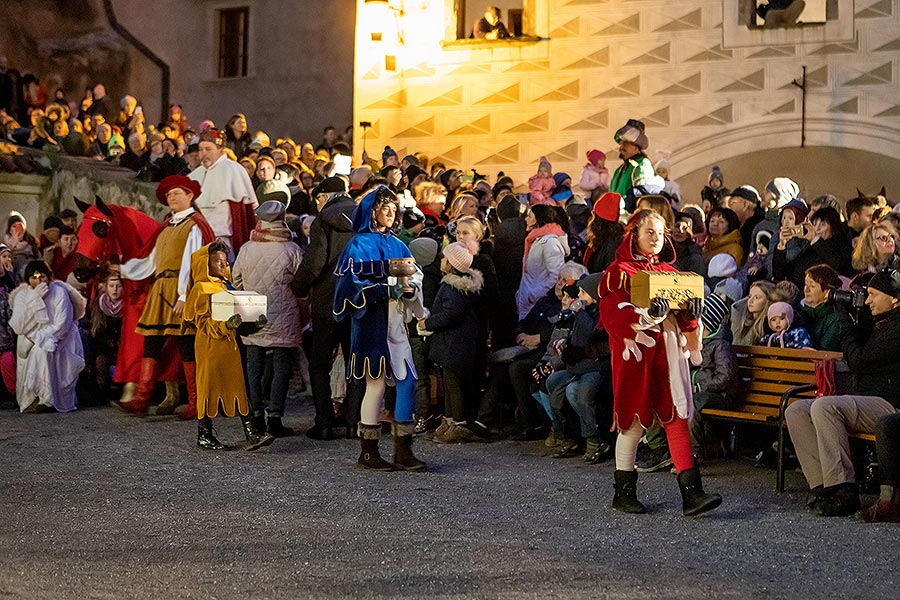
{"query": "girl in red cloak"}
(651, 377)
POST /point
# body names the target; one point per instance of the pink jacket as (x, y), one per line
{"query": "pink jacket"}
(540, 188)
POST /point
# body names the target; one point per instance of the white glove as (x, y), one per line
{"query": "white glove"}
(42, 289)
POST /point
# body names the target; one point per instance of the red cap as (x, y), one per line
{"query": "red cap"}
(607, 206)
(595, 156)
(176, 181)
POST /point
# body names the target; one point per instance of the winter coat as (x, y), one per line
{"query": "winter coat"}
(824, 325)
(718, 371)
(49, 351)
(743, 335)
(748, 240)
(454, 322)
(329, 234)
(872, 355)
(509, 248)
(650, 375)
(545, 259)
(539, 188)
(587, 349)
(729, 243)
(689, 257)
(268, 268)
(486, 301)
(541, 319)
(594, 177)
(834, 252)
(599, 255)
(796, 337)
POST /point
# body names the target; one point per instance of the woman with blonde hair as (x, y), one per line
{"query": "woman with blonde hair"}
(430, 199)
(465, 204)
(875, 248)
(748, 315)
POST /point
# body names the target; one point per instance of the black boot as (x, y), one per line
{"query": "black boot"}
(625, 499)
(840, 500)
(205, 437)
(369, 458)
(276, 429)
(255, 439)
(695, 501)
(403, 455)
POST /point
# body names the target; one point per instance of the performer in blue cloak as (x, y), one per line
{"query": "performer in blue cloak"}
(379, 344)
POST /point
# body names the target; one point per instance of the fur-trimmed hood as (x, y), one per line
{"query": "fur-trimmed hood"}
(467, 283)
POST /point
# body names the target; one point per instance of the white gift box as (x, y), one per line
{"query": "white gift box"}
(249, 305)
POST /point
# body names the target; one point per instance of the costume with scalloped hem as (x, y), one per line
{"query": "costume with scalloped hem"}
(649, 371)
(361, 292)
(220, 377)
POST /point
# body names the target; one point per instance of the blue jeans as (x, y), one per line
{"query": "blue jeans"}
(283, 360)
(580, 391)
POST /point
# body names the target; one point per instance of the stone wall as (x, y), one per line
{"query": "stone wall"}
(53, 188)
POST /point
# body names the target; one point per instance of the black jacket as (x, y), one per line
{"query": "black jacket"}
(872, 355)
(586, 349)
(718, 371)
(542, 318)
(834, 252)
(328, 235)
(509, 248)
(455, 323)
(689, 257)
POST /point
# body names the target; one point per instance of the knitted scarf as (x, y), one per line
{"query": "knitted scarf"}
(270, 232)
(109, 307)
(534, 234)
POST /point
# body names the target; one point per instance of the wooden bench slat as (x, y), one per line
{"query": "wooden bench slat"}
(767, 387)
(780, 364)
(869, 437)
(791, 353)
(790, 379)
(742, 416)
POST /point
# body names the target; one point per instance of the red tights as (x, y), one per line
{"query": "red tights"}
(680, 444)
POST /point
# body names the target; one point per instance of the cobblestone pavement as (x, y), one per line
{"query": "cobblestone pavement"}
(99, 505)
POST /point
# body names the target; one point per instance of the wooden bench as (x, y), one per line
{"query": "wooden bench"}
(768, 380)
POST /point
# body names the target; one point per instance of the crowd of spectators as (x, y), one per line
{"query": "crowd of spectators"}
(521, 352)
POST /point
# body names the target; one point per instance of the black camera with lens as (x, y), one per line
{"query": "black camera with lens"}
(855, 297)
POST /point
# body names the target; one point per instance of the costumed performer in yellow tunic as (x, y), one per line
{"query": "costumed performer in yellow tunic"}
(220, 378)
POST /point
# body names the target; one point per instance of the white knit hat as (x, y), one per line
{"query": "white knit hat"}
(722, 265)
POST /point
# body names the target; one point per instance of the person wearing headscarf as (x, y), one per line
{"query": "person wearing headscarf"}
(45, 314)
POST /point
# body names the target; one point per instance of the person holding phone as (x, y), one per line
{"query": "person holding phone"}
(828, 243)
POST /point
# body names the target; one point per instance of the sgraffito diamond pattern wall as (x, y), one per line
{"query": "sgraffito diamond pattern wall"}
(501, 106)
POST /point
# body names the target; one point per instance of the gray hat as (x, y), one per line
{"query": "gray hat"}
(424, 250)
(273, 190)
(271, 211)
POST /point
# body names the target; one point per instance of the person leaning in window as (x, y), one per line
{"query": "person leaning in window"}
(819, 426)
(490, 27)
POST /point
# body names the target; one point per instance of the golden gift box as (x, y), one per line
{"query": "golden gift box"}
(676, 287)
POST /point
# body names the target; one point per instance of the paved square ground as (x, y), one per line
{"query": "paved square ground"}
(96, 504)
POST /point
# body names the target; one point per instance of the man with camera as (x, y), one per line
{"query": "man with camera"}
(819, 427)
